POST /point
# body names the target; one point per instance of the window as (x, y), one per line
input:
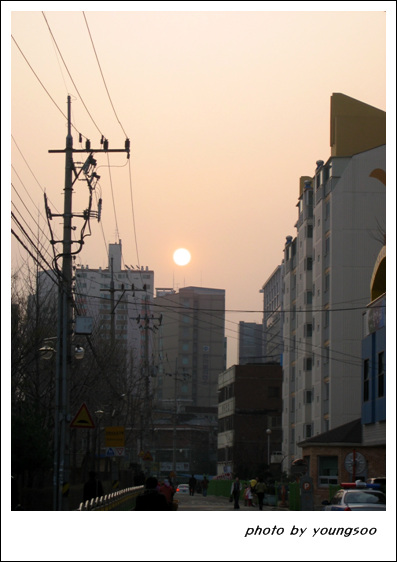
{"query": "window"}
(309, 297)
(327, 245)
(327, 470)
(327, 210)
(308, 396)
(308, 430)
(310, 231)
(307, 362)
(309, 264)
(326, 283)
(366, 380)
(308, 330)
(381, 374)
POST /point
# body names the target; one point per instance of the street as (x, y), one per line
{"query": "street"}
(215, 503)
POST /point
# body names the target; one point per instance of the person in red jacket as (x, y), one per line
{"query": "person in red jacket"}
(167, 490)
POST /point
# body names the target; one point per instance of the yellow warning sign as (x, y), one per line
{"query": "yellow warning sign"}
(114, 436)
(83, 419)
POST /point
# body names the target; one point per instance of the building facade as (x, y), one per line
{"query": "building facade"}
(190, 353)
(374, 359)
(250, 343)
(272, 316)
(250, 403)
(327, 271)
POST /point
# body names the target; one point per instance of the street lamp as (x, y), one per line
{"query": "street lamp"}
(99, 414)
(268, 432)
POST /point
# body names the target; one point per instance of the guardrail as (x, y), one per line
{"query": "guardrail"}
(122, 500)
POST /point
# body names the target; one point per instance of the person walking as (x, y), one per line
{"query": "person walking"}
(152, 499)
(92, 488)
(260, 490)
(167, 490)
(192, 485)
(204, 486)
(235, 492)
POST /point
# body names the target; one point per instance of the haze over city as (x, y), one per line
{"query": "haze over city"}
(224, 112)
(225, 105)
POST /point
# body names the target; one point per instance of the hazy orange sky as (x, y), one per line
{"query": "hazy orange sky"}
(226, 105)
(225, 111)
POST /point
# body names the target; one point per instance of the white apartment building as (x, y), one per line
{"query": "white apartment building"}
(119, 300)
(328, 269)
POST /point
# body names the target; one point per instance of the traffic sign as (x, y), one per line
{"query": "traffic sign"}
(114, 436)
(110, 452)
(82, 419)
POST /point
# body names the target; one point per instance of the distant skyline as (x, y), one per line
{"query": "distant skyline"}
(224, 111)
(226, 106)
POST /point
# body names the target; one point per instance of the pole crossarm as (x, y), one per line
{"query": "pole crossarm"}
(77, 150)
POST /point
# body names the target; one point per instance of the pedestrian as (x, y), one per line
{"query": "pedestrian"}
(235, 492)
(253, 484)
(192, 485)
(92, 488)
(248, 496)
(204, 486)
(167, 490)
(260, 490)
(151, 499)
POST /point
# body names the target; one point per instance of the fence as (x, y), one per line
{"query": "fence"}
(122, 500)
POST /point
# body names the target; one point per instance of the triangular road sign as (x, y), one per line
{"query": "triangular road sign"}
(83, 419)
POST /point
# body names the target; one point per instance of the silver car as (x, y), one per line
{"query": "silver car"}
(359, 499)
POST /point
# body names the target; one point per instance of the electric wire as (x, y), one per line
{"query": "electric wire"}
(70, 76)
(44, 88)
(103, 78)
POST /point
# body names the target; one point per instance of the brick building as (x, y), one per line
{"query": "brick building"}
(330, 457)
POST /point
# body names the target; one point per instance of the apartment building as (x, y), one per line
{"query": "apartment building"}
(327, 271)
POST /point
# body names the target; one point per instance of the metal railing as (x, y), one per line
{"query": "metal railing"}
(122, 500)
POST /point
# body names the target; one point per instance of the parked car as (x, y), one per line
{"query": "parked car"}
(357, 497)
(381, 480)
(182, 489)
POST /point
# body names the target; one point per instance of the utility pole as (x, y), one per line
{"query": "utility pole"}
(176, 379)
(65, 317)
(145, 416)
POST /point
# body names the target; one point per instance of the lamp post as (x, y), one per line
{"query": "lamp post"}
(99, 414)
(268, 432)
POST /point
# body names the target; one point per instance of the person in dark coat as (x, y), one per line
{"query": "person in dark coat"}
(151, 499)
(192, 485)
(92, 488)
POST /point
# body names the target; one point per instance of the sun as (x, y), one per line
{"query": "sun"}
(182, 256)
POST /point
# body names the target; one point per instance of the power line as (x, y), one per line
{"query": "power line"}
(103, 78)
(86, 108)
(44, 88)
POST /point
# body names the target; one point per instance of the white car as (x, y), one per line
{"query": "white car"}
(182, 489)
(357, 497)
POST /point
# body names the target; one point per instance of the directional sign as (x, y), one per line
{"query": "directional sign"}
(82, 419)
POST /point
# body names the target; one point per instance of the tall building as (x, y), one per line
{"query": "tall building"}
(250, 344)
(118, 300)
(272, 317)
(191, 344)
(327, 271)
(190, 353)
